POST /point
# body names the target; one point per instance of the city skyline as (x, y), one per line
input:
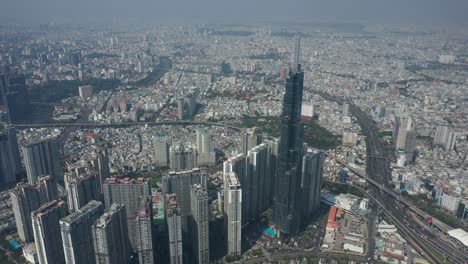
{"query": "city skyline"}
(309, 141)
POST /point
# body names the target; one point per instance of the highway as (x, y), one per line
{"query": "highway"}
(378, 170)
(378, 173)
(126, 124)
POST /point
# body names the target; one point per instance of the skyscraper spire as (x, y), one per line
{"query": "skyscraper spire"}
(297, 48)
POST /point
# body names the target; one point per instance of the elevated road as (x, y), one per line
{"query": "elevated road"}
(377, 174)
(378, 170)
(437, 223)
(126, 124)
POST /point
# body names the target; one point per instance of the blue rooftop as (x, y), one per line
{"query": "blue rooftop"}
(14, 244)
(269, 231)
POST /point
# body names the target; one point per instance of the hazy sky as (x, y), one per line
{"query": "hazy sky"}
(381, 11)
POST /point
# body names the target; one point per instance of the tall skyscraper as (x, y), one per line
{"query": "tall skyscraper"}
(273, 149)
(14, 92)
(180, 184)
(14, 148)
(287, 200)
(250, 138)
(225, 68)
(174, 228)
(191, 100)
(161, 151)
(258, 181)
(445, 137)
(233, 212)
(410, 145)
(47, 236)
(110, 236)
(182, 158)
(451, 141)
(206, 155)
(405, 137)
(239, 165)
(7, 162)
(143, 232)
(345, 110)
(312, 175)
(24, 200)
(203, 140)
(47, 189)
(404, 124)
(80, 190)
(256, 172)
(180, 108)
(130, 192)
(200, 224)
(101, 167)
(76, 233)
(43, 158)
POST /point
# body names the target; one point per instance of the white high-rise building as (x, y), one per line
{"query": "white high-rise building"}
(100, 161)
(204, 143)
(182, 158)
(43, 158)
(161, 151)
(233, 213)
(47, 189)
(77, 235)
(129, 192)
(174, 227)
(441, 135)
(258, 184)
(24, 200)
(143, 233)
(251, 137)
(450, 202)
(405, 136)
(110, 236)
(180, 183)
(206, 154)
(255, 172)
(238, 165)
(200, 228)
(81, 189)
(307, 110)
(47, 236)
(345, 110)
(86, 91)
(451, 140)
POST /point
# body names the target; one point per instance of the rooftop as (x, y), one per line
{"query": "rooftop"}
(125, 180)
(232, 179)
(171, 201)
(107, 215)
(36, 141)
(194, 170)
(48, 207)
(460, 235)
(79, 213)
